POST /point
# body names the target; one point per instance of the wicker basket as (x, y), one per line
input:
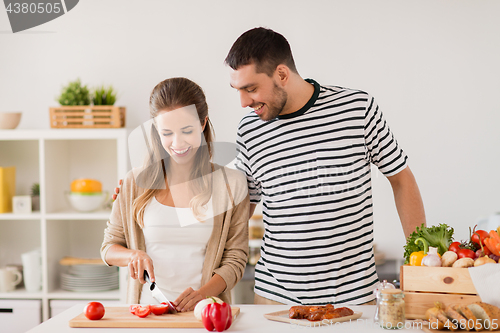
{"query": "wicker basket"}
(102, 116)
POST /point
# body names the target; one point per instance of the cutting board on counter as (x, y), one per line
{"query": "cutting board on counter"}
(121, 317)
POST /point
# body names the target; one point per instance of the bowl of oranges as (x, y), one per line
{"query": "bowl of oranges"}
(86, 195)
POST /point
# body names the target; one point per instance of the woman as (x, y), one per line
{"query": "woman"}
(181, 218)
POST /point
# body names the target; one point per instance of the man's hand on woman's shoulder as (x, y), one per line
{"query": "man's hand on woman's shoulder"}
(117, 189)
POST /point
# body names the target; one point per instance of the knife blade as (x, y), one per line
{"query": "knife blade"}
(157, 294)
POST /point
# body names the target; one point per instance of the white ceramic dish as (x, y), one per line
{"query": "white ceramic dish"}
(86, 202)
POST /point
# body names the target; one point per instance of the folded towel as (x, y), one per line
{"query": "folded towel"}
(485, 279)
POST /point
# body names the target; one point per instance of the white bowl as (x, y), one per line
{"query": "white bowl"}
(9, 120)
(86, 202)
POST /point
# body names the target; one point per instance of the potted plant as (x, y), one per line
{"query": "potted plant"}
(76, 110)
(35, 197)
(74, 94)
(104, 96)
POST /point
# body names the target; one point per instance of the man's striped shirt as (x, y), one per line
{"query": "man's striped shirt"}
(311, 168)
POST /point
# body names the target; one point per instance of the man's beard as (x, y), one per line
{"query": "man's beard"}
(277, 105)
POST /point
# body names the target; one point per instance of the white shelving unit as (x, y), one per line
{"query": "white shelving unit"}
(53, 158)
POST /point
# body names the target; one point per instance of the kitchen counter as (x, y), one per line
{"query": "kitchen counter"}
(250, 319)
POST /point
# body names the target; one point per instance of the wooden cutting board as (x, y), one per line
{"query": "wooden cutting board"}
(121, 317)
(282, 316)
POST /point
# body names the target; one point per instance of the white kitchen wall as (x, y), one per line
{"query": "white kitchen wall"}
(432, 65)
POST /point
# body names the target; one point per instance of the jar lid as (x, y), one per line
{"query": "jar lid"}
(381, 286)
(390, 291)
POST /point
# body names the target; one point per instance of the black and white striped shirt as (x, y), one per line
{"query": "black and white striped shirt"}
(311, 168)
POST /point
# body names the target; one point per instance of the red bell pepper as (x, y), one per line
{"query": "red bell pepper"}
(217, 316)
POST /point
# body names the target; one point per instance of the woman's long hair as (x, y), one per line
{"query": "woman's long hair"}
(169, 95)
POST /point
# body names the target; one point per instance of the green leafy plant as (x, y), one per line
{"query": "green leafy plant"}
(104, 96)
(35, 189)
(74, 94)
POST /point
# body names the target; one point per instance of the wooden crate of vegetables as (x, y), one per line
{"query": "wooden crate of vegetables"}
(423, 286)
(427, 277)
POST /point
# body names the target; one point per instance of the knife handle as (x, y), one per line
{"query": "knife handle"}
(148, 280)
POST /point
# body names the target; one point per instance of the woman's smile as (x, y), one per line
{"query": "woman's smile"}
(181, 152)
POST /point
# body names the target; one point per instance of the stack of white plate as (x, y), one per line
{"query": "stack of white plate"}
(89, 278)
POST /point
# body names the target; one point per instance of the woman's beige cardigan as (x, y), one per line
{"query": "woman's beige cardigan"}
(227, 249)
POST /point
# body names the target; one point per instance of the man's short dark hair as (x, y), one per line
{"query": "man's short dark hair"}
(264, 47)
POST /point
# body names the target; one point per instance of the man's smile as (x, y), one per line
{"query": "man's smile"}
(258, 110)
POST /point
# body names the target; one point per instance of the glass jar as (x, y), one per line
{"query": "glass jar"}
(391, 309)
(379, 286)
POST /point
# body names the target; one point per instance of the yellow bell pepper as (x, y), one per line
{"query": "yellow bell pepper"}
(416, 258)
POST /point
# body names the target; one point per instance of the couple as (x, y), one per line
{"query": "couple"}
(306, 151)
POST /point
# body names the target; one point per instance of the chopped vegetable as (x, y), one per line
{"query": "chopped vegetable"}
(133, 307)
(439, 236)
(159, 309)
(142, 311)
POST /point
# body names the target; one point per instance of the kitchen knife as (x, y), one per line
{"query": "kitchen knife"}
(157, 294)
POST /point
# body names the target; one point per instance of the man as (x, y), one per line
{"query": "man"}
(306, 150)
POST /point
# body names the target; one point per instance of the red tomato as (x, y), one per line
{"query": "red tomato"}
(170, 308)
(159, 309)
(466, 253)
(455, 247)
(143, 311)
(479, 236)
(94, 311)
(133, 307)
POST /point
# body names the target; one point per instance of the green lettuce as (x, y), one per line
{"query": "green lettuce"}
(440, 236)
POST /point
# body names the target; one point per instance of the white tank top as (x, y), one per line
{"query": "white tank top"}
(176, 242)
